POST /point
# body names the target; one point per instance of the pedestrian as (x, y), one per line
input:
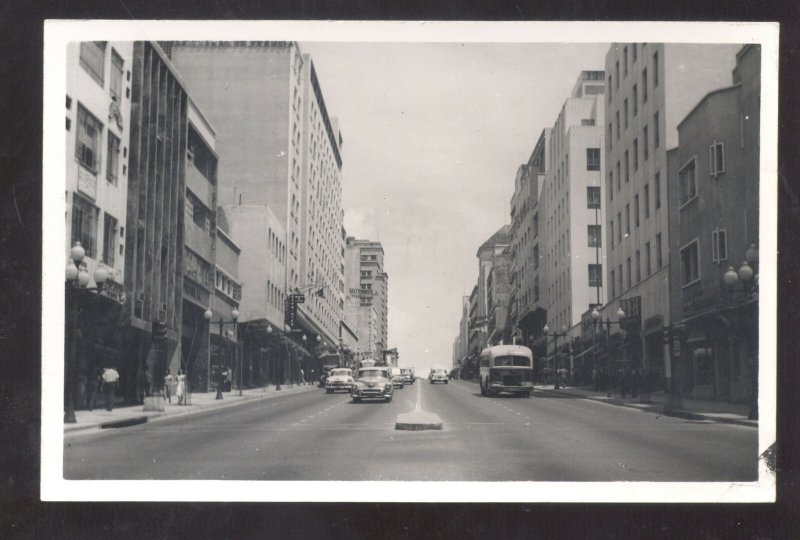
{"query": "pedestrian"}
(168, 380)
(228, 379)
(635, 379)
(110, 380)
(302, 377)
(595, 380)
(93, 384)
(180, 389)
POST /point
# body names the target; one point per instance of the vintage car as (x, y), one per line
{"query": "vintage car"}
(438, 375)
(339, 379)
(372, 383)
(408, 373)
(398, 379)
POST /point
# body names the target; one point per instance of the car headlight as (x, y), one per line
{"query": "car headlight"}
(388, 386)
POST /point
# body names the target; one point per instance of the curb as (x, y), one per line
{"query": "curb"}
(686, 415)
(192, 409)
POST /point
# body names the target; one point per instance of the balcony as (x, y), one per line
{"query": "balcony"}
(199, 185)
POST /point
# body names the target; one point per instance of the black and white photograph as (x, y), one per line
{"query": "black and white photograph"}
(374, 261)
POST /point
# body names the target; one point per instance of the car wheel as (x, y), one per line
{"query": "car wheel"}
(356, 400)
(388, 400)
(445, 382)
(528, 394)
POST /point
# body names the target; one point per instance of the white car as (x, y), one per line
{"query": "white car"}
(438, 375)
(339, 379)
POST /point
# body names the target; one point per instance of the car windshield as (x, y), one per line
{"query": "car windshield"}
(370, 373)
(340, 373)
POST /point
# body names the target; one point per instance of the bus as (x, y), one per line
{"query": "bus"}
(506, 369)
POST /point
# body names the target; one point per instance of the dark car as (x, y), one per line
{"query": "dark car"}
(373, 383)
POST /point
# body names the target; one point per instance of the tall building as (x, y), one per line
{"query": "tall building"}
(714, 231)
(528, 306)
(284, 150)
(489, 254)
(98, 129)
(650, 87)
(570, 211)
(367, 280)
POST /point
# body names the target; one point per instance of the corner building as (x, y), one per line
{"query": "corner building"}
(282, 149)
(650, 87)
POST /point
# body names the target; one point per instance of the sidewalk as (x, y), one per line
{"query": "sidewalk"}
(692, 409)
(130, 415)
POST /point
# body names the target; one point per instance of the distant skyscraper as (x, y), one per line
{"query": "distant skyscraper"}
(367, 280)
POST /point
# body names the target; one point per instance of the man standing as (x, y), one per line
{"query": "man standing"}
(110, 380)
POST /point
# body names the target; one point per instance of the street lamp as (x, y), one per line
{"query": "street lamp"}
(749, 288)
(563, 333)
(608, 322)
(76, 280)
(234, 318)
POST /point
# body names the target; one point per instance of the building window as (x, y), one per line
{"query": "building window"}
(87, 141)
(536, 289)
(592, 159)
(595, 275)
(93, 56)
(593, 197)
(594, 232)
(611, 236)
(109, 239)
(609, 89)
(627, 219)
(536, 256)
(619, 272)
(648, 259)
(719, 245)
(636, 209)
(690, 263)
(617, 115)
(658, 190)
(655, 131)
(587, 122)
(659, 260)
(619, 229)
(610, 134)
(630, 277)
(112, 164)
(627, 167)
(84, 224)
(687, 182)
(611, 185)
(644, 85)
(635, 154)
(625, 61)
(716, 158)
(635, 100)
(618, 176)
(117, 67)
(612, 282)
(616, 73)
(645, 148)
(638, 267)
(655, 69)
(646, 201)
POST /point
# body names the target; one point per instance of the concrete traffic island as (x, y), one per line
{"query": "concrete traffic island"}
(417, 421)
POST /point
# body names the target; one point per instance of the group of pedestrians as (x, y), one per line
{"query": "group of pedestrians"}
(179, 384)
(633, 382)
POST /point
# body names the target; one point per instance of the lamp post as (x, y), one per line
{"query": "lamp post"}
(608, 322)
(749, 288)
(563, 333)
(234, 321)
(76, 281)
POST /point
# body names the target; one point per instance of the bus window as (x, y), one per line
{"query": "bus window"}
(509, 361)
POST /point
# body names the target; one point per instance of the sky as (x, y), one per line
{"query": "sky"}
(433, 136)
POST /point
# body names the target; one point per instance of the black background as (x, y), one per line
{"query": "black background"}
(22, 515)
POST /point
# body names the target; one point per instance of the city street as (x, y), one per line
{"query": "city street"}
(316, 436)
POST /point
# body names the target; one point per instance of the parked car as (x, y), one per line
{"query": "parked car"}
(372, 383)
(398, 379)
(339, 379)
(438, 375)
(408, 373)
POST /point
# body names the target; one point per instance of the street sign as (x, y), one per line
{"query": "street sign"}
(300, 298)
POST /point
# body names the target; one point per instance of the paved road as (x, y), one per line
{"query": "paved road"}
(316, 436)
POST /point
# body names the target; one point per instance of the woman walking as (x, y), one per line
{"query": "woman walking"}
(180, 390)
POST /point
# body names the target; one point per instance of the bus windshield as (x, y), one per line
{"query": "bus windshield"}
(512, 361)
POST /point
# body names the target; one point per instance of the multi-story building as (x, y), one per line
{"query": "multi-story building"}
(477, 336)
(528, 307)
(714, 227)
(262, 268)
(650, 87)
(367, 279)
(498, 297)
(202, 241)
(98, 126)
(282, 149)
(461, 343)
(489, 252)
(569, 209)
